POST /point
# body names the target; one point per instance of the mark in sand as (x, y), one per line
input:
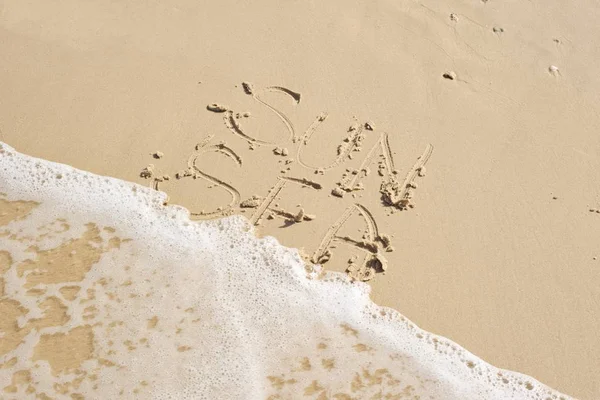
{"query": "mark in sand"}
(232, 122)
(394, 193)
(266, 204)
(234, 125)
(195, 172)
(250, 90)
(351, 143)
(399, 195)
(349, 182)
(371, 246)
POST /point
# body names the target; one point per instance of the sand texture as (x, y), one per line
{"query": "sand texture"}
(446, 153)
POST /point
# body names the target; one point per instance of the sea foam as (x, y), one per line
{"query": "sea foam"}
(108, 293)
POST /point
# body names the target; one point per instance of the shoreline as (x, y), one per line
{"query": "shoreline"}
(52, 347)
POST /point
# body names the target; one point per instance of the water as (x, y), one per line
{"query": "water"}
(108, 293)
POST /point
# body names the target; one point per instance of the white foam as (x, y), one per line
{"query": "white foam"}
(261, 324)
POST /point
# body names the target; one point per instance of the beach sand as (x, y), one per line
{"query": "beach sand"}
(497, 101)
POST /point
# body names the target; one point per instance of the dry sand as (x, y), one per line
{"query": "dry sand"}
(500, 252)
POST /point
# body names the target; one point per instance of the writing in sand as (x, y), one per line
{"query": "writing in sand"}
(350, 164)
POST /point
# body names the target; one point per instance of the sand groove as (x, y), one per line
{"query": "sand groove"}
(233, 192)
(249, 89)
(385, 151)
(351, 143)
(235, 127)
(399, 195)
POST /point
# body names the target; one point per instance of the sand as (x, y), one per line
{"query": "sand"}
(500, 250)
